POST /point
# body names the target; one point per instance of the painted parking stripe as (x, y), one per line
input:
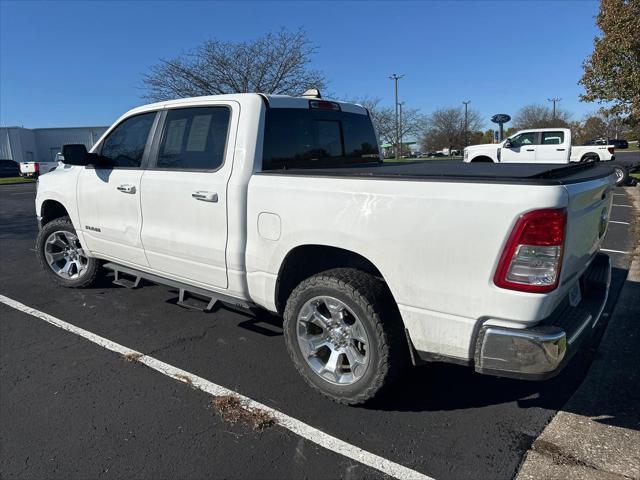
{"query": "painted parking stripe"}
(613, 251)
(619, 195)
(617, 205)
(619, 223)
(308, 432)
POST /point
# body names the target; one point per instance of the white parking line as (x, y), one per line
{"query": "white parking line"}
(308, 432)
(621, 223)
(616, 205)
(613, 251)
(619, 195)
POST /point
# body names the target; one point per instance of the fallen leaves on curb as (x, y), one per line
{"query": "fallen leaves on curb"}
(132, 357)
(184, 378)
(232, 410)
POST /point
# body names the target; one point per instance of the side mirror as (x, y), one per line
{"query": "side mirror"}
(75, 154)
(507, 144)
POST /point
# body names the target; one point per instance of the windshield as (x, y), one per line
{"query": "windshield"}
(301, 138)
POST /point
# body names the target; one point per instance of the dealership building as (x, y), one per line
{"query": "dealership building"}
(42, 144)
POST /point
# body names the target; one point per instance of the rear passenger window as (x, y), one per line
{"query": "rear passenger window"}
(194, 138)
(125, 144)
(310, 138)
(552, 138)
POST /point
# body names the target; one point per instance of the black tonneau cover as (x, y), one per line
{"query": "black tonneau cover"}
(457, 171)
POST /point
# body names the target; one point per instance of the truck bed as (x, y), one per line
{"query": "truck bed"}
(456, 171)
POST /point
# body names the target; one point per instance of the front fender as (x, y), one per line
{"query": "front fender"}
(60, 186)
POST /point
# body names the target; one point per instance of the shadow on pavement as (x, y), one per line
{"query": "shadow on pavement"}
(441, 386)
(611, 393)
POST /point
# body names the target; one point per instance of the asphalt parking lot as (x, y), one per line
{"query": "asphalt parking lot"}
(72, 409)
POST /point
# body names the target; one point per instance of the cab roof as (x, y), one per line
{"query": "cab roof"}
(273, 101)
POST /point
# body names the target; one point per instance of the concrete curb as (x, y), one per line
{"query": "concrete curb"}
(597, 433)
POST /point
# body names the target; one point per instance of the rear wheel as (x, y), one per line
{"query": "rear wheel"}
(590, 157)
(481, 160)
(62, 257)
(343, 337)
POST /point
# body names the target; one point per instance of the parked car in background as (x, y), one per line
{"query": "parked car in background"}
(284, 203)
(596, 141)
(9, 168)
(620, 143)
(616, 142)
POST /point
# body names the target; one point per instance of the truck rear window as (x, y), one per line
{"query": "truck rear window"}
(301, 138)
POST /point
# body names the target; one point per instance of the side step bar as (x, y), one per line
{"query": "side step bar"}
(189, 295)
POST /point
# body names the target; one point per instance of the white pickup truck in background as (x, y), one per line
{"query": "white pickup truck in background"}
(35, 169)
(543, 145)
(284, 203)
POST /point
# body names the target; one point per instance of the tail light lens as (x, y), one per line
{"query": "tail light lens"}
(532, 257)
(324, 105)
(36, 167)
(611, 150)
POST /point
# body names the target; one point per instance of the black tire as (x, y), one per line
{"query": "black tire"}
(622, 175)
(371, 301)
(481, 160)
(86, 278)
(590, 157)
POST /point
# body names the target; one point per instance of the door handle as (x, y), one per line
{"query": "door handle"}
(204, 196)
(560, 149)
(127, 188)
(531, 149)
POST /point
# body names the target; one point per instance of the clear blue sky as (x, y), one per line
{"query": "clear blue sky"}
(80, 63)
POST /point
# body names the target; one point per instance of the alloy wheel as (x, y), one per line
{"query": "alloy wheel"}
(333, 340)
(65, 255)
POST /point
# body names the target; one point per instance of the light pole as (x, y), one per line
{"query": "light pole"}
(466, 123)
(554, 100)
(400, 104)
(395, 77)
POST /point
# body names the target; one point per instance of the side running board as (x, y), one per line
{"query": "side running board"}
(191, 297)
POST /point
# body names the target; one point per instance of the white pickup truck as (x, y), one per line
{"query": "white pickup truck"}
(542, 145)
(283, 203)
(35, 169)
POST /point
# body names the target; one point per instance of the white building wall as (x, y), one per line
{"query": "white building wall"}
(49, 141)
(17, 144)
(41, 144)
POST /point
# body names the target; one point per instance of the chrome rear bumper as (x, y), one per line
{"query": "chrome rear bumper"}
(542, 351)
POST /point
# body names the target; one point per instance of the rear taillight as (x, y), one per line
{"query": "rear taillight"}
(324, 105)
(532, 257)
(611, 150)
(36, 167)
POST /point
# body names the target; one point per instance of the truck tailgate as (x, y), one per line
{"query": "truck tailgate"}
(588, 213)
(27, 167)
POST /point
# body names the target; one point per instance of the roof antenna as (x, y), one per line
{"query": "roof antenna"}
(312, 93)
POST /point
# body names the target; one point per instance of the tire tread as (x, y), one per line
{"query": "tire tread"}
(94, 270)
(373, 296)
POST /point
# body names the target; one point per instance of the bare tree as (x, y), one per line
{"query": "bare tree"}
(540, 116)
(446, 128)
(277, 63)
(384, 120)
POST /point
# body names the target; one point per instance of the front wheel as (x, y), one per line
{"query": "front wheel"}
(62, 257)
(343, 335)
